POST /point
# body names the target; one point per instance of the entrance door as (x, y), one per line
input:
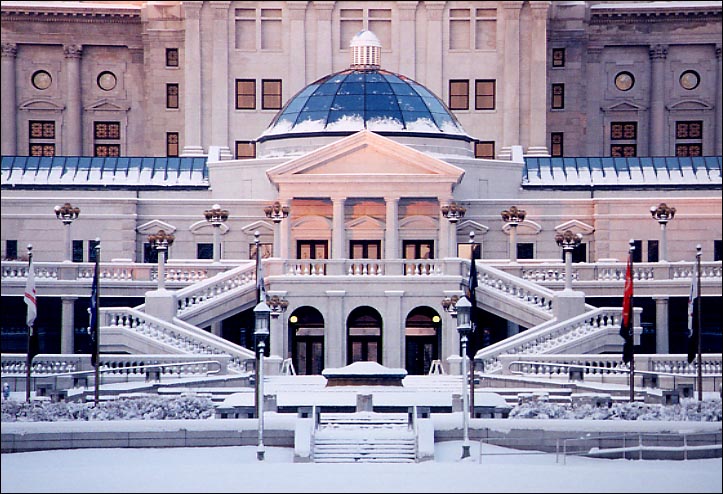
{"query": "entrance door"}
(422, 335)
(306, 332)
(364, 336)
(365, 249)
(312, 249)
(418, 249)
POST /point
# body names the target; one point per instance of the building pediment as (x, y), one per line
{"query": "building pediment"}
(365, 164)
(472, 226)
(365, 223)
(153, 226)
(106, 105)
(575, 226)
(689, 105)
(40, 104)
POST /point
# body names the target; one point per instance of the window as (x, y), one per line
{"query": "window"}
(106, 131)
(245, 94)
(717, 250)
(579, 253)
(379, 21)
(204, 251)
(653, 251)
(92, 244)
(458, 95)
(150, 255)
(245, 20)
(270, 28)
(624, 81)
(558, 96)
(41, 80)
(267, 250)
(271, 94)
(107, 81)
(485, 36)
(171, 143)
(365, 249)
(637, 251)
(171, 57)
(557, 142)
(245, 150)
(11, 249)
(484, 94)
(484, 149)
(459, 23)
(689, 138)
(172, 96)
(42, 138)
(689, 80)
(623, 137)
(77, 251)
(525, 250)
(558, 57)
(418, 249)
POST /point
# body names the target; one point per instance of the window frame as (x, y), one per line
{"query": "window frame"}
(169, 58)
(557, 101)
(44, 143)
(170, 103)
(252, 94)
(265, 96)
(169, 144)
(453, 83)
(480, 155)
(558, 62)
(240, 156)
(560, 145)
(479, 83)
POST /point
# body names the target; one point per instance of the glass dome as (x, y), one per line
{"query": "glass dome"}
(356, 99)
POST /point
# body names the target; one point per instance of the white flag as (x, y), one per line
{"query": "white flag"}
(691, 300)
(30, 295)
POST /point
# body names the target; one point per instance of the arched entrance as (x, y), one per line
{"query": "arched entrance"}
(422, 339)
(364, 335)
(306, 334)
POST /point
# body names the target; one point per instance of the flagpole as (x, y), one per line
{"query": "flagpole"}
(631, 323)
(96, 329)
(29, 355)
(700, 355)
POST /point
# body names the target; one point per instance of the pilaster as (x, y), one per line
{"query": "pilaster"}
(73, 132)
(8, 100)
(658, 54)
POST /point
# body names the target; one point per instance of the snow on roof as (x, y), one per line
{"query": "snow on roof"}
(364, 369)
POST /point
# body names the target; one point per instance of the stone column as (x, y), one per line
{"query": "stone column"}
(718, 104)
(435, 48)
(192, 100)
(394, 335)
(594, 84)
(216, 328)
(324, 40)
(512, 328)
(220, 86)
(8, 100)
(443, 239)
(67, 329)
(338, 229)
(335, 330)
(73, 124)
(284, 234)
(510, 90)
(537, 143)
(407, 37)
(277, 335)
(450, 342)
(391, 233)
(662, 330)
(296, 79)
(656, 123)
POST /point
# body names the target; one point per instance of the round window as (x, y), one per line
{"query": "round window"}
(689, 80)
(624, 81)
(42, 80)
(106, 81)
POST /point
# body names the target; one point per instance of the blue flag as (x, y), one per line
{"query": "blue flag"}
(93, 328)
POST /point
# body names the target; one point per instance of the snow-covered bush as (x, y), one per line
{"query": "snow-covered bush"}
(141, 407)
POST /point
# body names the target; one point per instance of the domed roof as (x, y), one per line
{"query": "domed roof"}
(364, 96)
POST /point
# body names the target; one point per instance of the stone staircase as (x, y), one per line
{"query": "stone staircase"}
(364, 437)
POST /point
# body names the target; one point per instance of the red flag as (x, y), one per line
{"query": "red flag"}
(626, 328)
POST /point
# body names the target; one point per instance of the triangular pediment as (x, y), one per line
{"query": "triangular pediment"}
(365, 153)
(624, 106)
(106, 105)
(365, 223)
(575, 226)
(153, 226)
(471, 225)
(264, 227)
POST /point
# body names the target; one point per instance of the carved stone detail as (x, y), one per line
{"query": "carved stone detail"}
(73, 51)
(11, 49)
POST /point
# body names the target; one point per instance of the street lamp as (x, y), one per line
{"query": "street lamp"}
(262, 319)
(464, 327)
(662, 214)
(216, 216)
(449, 304)
(276, 212)
(67, 214)
(513, 217)
(568, 241)
(161, 241)
(277, 305)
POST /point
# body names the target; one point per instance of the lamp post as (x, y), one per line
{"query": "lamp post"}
(216, 217)
(453, 212)
(276, 212)
(277, 305)
(67, 214)
(513, 217)
(262, 319)
(464, 327)
(161, 241)
(662, 214)
(568, 241)
(449, 304)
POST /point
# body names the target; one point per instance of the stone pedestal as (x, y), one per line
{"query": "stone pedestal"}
(568, 304)
(161, 304)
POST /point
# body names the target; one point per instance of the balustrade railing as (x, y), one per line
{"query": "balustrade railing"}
(519, 289)
(204, 292)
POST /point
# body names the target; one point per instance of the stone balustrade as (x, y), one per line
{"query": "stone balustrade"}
(204, 292)
(522, 290)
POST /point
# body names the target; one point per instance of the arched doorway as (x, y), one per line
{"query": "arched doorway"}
(364, 335)
(422, 339)
(306, 334)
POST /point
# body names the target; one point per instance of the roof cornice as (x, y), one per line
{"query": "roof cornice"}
(69, 12)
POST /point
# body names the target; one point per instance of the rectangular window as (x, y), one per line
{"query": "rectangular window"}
(171, 57)
(172, 96)
(352, 21)
(459, 24)
(271, 29)
(77, 251)
(558, 57)
(42, 136)
(689, 130)
(653, 254)
(717, 250)
(689, 138)
(172, 144)
(245, 150)
(379, 21)
(365, 249)
(525, 250)
(558, 96)
(204, 251)
(484, 94)
(623, 150)
(92, 244)
(638, 251)
(458, 94)
(245, 94)
(688, 150)
(484, 149)
(556, 144)
(106, 130)
(150, 255)
(579, 253)
(245, 20)
(267, 250)
(11, 250)
(485, 36)
(107, 150)
(625, 135)
(271, 94)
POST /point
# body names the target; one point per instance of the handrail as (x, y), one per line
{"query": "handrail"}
(199, 294)
(622, 369)
(536, 296)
